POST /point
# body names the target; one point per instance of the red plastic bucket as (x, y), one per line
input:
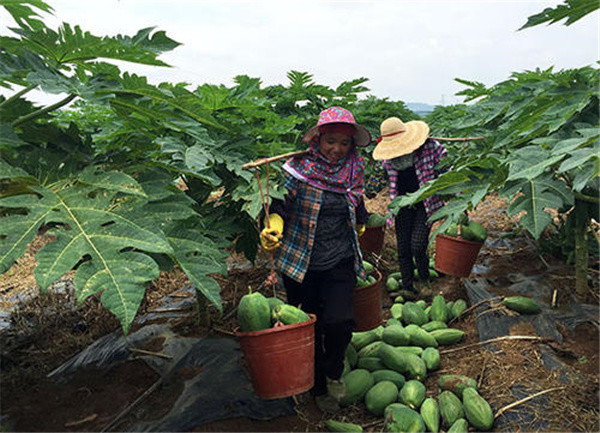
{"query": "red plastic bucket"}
(455, 256)
(280, 359)
(367, 305)
(372, 239)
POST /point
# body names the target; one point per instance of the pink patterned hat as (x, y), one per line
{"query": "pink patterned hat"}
(362, 137)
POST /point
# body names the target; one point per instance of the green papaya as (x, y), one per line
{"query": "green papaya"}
(402, 419)
(439, 311)
(451, 408)
(521, 304)
(456, 383)
(254, 312)
(380, 396)
(338, 426)
(431, 357)
(393, 376)
(452, 230)
(288, 314)
(412, 394)
(460, 426)
(478, 232)
(477, 409)
(375, 220)
(430, 412)
(392, 284)
(273, 302)
(459, 307)
(395, 336)
(358, 382)
(368, 267)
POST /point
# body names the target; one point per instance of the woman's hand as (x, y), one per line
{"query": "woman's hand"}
(271, 235)
(360, 229)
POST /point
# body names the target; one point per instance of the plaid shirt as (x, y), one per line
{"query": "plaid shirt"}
(425, 158)
(302, 206)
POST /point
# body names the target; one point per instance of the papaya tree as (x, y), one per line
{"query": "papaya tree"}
(97, 170)
(541, 151)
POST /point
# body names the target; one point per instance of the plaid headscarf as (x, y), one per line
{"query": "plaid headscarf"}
(345, 176)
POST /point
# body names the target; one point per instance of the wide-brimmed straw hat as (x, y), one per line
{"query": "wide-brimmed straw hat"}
(331, 115)
(399, 138)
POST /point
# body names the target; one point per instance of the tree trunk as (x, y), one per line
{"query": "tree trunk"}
(581, 249)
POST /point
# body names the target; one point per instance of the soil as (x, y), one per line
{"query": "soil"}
(46, 330)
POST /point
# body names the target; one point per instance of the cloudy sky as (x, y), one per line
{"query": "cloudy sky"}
(409, 50)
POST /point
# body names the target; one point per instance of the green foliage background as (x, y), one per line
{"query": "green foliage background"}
(99, 168)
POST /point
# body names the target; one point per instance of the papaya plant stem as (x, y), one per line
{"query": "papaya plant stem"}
(587, 198)
(42, 111)
(17, 95)
(581, 248)
(523, 400)
(494, 340)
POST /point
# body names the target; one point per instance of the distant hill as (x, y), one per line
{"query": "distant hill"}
(419, 107)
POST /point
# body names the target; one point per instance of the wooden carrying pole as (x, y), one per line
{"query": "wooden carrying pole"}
(259, 162)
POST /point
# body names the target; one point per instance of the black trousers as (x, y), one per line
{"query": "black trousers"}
(412, 236)
(328, 295)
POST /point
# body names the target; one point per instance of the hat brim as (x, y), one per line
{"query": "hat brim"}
(406, 142)
(362, 138)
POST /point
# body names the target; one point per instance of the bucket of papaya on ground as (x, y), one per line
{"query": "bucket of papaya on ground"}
(280, 359)
(455, 256)
(366, 304)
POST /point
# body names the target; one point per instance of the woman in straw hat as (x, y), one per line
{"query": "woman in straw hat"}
(409, 157)
(314, 233)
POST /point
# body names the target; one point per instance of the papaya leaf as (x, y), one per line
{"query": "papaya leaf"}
(86, 228)
(122, 279)
(448, 183)
(72, 45)
(565, 146)
(110, 181)
(451, 210)
(556, 187)
(8, 137)
(7, 171)
(534, 200)
(572, 10)
(198, 256)
(582, 175)
(24, 13)
(530, 162)
(579, 157)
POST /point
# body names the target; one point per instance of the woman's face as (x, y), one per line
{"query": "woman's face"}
(335, 146)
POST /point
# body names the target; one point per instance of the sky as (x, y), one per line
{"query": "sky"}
(410, 50)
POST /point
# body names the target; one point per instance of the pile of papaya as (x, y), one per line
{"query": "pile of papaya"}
(394, 280)
(468, 230)
(256, 312)
(385, 368)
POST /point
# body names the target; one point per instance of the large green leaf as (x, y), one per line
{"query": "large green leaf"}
(24, 13)
(72, 45)
(198, 256)
(534, 199)
(86, 228)
(572, 10)
(530, 162)
(8, 137)
(579, 157)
